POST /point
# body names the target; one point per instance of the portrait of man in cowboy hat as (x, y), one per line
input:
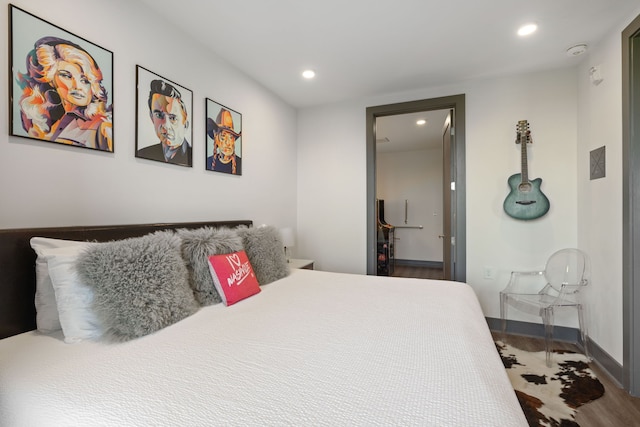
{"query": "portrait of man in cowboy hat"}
(225, 154)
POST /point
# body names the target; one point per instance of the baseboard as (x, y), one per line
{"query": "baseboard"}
(528, 329)
(418, 263)
(563, 333)
(607, 363)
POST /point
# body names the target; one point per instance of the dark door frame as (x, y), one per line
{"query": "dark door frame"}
(631, 205)
(457, 103)
(449, 208)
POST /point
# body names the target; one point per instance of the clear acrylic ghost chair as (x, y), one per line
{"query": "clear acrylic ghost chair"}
(565, 275)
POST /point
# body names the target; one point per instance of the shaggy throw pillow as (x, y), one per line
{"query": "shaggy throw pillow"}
(197, 246)
(140, 284)
(265, 250)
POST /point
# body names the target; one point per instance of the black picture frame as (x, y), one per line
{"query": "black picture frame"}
(65, 100)
(222, 120)
(164, 111)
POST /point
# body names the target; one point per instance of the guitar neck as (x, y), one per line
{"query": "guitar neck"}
(524, 137)
(523, 159)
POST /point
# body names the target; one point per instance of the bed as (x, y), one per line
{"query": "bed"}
(311, 348)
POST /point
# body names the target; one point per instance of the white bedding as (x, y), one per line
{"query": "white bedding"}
(315, 348)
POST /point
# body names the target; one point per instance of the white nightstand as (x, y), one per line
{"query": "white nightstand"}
(306, 264)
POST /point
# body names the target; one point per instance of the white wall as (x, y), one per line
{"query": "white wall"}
(415, 176)
(548, 101)
(600, 200)
(332, 186)
(45, 184)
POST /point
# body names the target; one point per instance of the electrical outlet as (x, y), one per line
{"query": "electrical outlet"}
(489, 273)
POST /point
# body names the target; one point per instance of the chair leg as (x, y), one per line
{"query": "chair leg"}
(547, 319)
(503, 316)
(583, 331)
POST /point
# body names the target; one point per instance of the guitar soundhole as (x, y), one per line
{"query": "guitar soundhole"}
(524, 187)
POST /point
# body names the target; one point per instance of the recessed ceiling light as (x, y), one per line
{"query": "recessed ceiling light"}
(527, 29)
(421, 122)
(308, 74)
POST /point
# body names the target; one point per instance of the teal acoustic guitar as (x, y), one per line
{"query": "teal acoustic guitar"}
(525, 200)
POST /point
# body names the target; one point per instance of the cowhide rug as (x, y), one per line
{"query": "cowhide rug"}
(550, 396)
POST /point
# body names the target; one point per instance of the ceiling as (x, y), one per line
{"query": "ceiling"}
(401, 133)
(362, 48)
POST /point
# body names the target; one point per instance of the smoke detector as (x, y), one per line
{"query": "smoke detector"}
(576, 50)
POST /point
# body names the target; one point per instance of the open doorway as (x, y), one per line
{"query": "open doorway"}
(456, 176)
(410, 190)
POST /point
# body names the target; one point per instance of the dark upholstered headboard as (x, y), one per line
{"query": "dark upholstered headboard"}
(17, 263)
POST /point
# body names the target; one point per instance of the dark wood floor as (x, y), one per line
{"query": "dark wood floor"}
(417, 272)
(615, 408)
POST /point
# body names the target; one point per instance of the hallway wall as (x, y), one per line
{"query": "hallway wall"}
(415, 176)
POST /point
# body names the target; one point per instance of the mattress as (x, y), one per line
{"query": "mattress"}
(315, 348)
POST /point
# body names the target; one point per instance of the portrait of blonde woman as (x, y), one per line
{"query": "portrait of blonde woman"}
(62, 97)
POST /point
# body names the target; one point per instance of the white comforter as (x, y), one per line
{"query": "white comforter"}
(313, 349)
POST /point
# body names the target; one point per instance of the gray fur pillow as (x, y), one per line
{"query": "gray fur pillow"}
(197, 245)
(140, 284)
(265, 251)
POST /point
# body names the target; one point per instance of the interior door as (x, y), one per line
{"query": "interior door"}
(448, 183)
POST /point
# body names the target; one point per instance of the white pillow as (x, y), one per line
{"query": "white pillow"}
(47, 319)
(74, 301)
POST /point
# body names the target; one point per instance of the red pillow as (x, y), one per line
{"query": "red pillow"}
(233, 276)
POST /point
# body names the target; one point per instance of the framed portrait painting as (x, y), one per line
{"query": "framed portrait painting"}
(163, 119)
(61, 85)
(224, 139)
